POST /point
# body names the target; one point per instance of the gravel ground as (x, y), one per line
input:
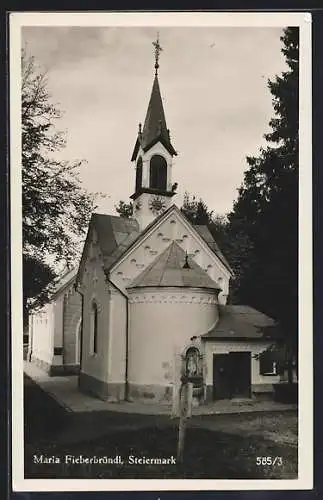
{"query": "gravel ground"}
(218, 446)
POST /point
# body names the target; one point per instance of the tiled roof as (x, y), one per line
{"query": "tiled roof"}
(115, 235)
(243, 322)
(155, 128)
(167, 270)
(67, 277)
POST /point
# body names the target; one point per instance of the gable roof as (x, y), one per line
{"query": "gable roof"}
(155, 128)
(167, 271)
(164, 214)
(65, 279)
(237, 322)
(115, 234)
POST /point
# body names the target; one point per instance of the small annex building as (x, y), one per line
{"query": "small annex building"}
(54, 330)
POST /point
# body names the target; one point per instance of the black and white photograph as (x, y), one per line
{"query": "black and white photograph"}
(161, 251)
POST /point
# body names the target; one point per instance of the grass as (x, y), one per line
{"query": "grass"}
(281, 428)
(208, 455)
(216, 447)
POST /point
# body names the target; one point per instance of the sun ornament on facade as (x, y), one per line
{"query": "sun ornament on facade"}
(157, 204)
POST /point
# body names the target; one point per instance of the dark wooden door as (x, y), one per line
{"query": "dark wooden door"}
(240, 370)
(221, 376)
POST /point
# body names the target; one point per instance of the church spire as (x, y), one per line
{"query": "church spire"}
(155, 127)
(153, 156)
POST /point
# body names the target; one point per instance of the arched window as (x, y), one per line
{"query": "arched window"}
(94, 328)
(158, 173)
(139, 174)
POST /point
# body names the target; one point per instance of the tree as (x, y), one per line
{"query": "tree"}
(196, 210)
(56, 208)
(124, 209)
(266, 211)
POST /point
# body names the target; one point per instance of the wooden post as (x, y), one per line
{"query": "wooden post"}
(176, 386)
(185, 412)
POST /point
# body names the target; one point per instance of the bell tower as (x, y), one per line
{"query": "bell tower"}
(152, 157)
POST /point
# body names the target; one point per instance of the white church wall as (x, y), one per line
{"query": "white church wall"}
(41, 337)
(161, 322)
(58, 320)
(202, 255)
(118, 332)
(95, 364)
(51, 336)
(173, 228)
(225, 346)
(94, 369)
(72, 318)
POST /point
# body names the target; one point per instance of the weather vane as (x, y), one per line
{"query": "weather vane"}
(158, 50)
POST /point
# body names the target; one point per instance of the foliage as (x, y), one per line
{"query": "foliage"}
(264, 220)
(124, 209)
(196, 210)
(56, 208)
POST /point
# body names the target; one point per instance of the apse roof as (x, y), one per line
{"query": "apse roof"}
(167, 271)
(117, 234)
(237, 321)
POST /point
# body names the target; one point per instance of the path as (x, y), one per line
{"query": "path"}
(65, 391)
(47, 422)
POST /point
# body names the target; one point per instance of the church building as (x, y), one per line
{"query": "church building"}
(149, 298)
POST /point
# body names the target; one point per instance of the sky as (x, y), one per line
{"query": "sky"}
(213, 82)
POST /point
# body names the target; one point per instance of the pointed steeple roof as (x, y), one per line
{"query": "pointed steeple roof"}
(155, 122)
(169, 270)
(155, 128)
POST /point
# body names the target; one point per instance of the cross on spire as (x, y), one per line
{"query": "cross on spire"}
(158, 50)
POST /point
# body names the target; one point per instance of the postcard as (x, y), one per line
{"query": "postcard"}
(161, 251)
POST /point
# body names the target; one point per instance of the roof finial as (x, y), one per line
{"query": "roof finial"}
(158, 49)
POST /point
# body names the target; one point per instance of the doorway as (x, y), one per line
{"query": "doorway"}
(231, 375)
(240, 374)
(221, 377)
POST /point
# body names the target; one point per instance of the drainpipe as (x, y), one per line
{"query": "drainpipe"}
(127, 339)
(81, 333)
(63, 330)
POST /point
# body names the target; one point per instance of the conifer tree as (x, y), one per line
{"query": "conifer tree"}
(265, 214)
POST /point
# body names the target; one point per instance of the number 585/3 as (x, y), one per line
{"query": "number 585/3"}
(269, 461)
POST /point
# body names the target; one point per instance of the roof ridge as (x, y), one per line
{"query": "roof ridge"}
(154, 275)
(172, 245)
